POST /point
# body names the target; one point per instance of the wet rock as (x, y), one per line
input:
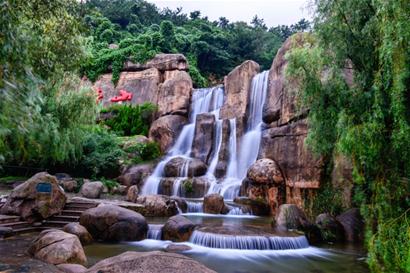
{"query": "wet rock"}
(157, 205)
(79, 231)
(166, 129)
(132, 193)
(258, 207)
(72, 268)
(92, 190)
(38, 198)
(223, 158)
(353, 225)
(291, 217)
(175, 94)
(330, 229)
(113, 223)
(181, 203)
(214, 203)
(135, 174)
(149, 262)
(176, 167)
(5, 232)
(58, 247)
(177, 229)
(203, 136)
(237, 85)
(194, 187)
(265, 171)
(173, 248)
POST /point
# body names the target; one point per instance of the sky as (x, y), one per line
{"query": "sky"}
(274, 12)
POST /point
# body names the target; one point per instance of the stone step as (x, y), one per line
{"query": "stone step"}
(71, 212)
(79, 206)
(26, 230)
(4, 219)
(64, 218)
(17, 225)
(54, 224)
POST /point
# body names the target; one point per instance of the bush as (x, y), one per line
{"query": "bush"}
(130, 120)
(143, 152)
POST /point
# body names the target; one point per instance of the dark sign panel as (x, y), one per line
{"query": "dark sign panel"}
(44, 187)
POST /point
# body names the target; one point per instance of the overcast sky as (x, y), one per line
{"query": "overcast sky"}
(274, 12)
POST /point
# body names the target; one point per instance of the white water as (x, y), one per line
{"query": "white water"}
(195, 206)
(205, 100)
(247, 242)
(154, 232)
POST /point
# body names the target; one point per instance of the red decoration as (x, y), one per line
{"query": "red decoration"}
(124, 96)
(100, 94)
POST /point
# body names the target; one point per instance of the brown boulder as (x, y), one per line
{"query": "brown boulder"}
(177, 229)
(114, 223)
(58, 247)
(237, 85)
(194, 187)
(38, 198)
(135, 174)
(214, 203)
(166, 129)
(132, 193)
(157, 205)
(92, 189)
(69, 185)
(258, 206)
(265, 171)
(203, 136)
(177, 167)
(353, 225)
(330, 228)
(175, 94)
(79, 231)
(149, 262)
(291, 217)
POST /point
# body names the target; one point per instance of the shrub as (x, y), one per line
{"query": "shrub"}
(142, 152)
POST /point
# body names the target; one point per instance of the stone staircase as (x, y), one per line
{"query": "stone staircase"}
(70, 214)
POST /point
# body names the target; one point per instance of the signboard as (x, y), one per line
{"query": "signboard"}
(43, 187)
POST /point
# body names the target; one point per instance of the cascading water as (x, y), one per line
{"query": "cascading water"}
(205, 100)
(154, 232)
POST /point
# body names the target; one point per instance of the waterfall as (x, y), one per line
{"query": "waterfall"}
(195, 206)
(204, 100)
(154, 232)
(247, 242)
(217, 143)
(237, 211)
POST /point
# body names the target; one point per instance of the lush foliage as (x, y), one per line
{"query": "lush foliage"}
(368, 121)
(43, 117)
(140, 30)
(128, 120)
(142, 152)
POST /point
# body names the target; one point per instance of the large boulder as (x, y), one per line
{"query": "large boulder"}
(79, 231)
(38, 198)
(257, 207)
(265, 171)
(149, 262)
(237, 85)
(175, 93)
(72, 268)
(353, 225)
(204, 133)
(164, 62)
(157, 205)
(214, 203)
(114, 223)
(291, 216)
(92, 189)
(194, 187)
(330, 228)
(182, 167)
(58, 247)
(135, 174)
(166, 129)
(132, 193)
(69, 185)
(177, 229)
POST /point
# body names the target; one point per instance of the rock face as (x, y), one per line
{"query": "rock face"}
(58, 247)
(149, 262)
(175, 94)
(214, 203)
(353, 225)
(342, 179)
(157, 205)
(330, 228)
(92, 189)
(165, 130)
(300, 168)
(237, 85)
(113, 223)
(162, 62)
(177, 229)
(204, 132)
(135, 174)
(38, 198)
(181, 166)
(195, 187)
(79, 231)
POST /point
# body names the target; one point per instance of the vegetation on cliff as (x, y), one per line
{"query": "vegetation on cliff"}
(368, 120)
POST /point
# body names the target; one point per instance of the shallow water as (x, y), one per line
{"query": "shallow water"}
(315, 259)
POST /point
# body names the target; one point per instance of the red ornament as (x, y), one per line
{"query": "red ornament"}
(100, 94)
(124, 96)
